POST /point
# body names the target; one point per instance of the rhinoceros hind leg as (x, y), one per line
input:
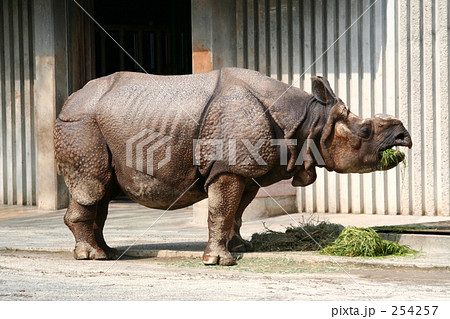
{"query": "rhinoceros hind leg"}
(99, 223)
(224, 196)
(83, 158)
(80, 219)
(239, 245)
(236, 243)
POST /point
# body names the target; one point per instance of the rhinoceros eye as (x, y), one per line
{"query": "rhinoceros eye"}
(365, 132)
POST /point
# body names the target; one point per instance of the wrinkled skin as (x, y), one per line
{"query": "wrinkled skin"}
(92, 131)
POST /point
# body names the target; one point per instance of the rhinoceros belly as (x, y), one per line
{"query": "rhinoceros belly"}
(154, 193)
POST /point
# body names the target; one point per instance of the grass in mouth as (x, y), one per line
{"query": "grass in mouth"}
(390, 157)
(364, 242)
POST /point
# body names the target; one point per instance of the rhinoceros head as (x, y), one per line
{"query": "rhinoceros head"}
(350, 144)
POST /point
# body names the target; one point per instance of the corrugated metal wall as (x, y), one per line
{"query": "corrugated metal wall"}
(68, 44)
(392, 59)
(17, 131)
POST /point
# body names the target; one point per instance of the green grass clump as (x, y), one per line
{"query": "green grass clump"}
(307, 236)
(391, 158)
(364, 242)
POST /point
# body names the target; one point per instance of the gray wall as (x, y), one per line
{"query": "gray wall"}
(393, 60)
(213, 34)
(46, 49)
(18, 184)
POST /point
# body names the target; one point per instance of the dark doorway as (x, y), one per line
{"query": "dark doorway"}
(156, 33)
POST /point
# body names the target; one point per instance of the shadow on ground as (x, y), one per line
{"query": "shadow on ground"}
(180, 246)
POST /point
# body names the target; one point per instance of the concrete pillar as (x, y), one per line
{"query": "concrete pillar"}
(442, 106)
(213, 34)
(51, 91)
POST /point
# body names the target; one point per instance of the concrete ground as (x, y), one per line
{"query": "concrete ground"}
(164, 262)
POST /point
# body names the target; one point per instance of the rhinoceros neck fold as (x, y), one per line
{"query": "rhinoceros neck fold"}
(309, 132)
(287, 105)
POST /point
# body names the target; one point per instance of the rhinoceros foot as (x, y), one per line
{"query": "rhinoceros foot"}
(112, 253)
(239, 245)
(219, 260)
(217, 255)
(85, 251)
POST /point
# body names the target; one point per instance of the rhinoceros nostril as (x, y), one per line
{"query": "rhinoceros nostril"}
(403, 139)
(400, 137)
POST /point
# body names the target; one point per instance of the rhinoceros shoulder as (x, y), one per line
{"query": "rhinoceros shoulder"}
(286, 104)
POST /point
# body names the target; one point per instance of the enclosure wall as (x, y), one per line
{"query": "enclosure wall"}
(45, 55)
(17, 113)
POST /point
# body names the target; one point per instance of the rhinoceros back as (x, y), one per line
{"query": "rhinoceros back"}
(133, 97)
(156, 114)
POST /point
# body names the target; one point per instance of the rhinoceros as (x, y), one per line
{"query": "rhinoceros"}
(145, 135)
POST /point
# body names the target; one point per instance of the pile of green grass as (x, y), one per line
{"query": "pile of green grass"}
(364, 242)
(390, 157)
(307, 236)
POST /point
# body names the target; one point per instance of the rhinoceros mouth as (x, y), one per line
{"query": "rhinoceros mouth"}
(389, 158)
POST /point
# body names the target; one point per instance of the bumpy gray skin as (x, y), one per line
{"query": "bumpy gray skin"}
(92, 131)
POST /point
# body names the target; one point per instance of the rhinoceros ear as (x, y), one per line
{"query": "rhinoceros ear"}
(321, 90)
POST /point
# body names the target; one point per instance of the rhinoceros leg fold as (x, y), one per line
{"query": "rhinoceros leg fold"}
(224, 196)
(99, 223)
(80, 219)
(236, 243)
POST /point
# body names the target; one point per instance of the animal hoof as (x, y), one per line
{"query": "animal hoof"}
(217, 260)
(85, 251)
(80, 254)
(98, 255)
(210, 260)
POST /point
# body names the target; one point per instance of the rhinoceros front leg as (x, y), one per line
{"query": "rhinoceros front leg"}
(224, 196)
(236, 242)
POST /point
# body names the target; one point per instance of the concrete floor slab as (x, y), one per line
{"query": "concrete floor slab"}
(149, 230)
